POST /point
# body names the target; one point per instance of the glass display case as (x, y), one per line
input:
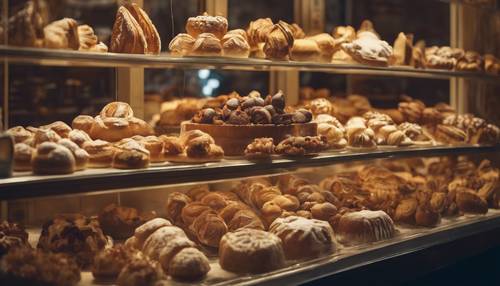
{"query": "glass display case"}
(274, 142)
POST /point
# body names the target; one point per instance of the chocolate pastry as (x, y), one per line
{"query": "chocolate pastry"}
(260, 148)
(25, 28)
(120, 222)
(238, 117)
(300, 146)
(75, 235)
(38, 268)
(62, 34)
(279, 42)
(249, 102)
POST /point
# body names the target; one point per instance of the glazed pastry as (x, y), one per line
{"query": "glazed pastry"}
(19, 133)
(130, 155)
(258, 30)
(81, 156)
(75, 235)
(369, 49)
(260, 149)
(120, 222)
(83, 122)
(326, 44)
(303, 238)
(101, 153)
(279, 42)
(207, 44)
(79, 137)
(300, 146)
(305, 50)
(251, 251)
(133, 32)
(39, 268)
(139, 272)
(403, 48)
(358, 134)
(108, 264)
(51, 158)
(364, 227)
(175, 204)
(22, 157)
(235, 45)
(89, 41)
(216, 25)
(189, 264)
(62, 34)
(181, 45)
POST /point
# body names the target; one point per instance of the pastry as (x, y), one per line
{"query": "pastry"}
(181, 45)
(364, 227)
(188, 264)
(258, 30)
(235, 45)
(139, 272)
(358, 134)
(9, 243)
(19, 133)
(279, 42)
(83, 122)
(100, 152)
(300, 146)
(130, 155)
(158, 239)
(22, 157)
(491, 64)
(79, 137)
(193, 210)
(209, 228)
(216, 25)
(175, 204)
(366, 27)
(450, 134)
(470, 61)
(171, 146)
(207, 44)
(251, 251)
(146, 229)
(51, 158)
(469, 202)
(320, 106)
(326, 44)
(260, 149)
(62, 34)
(369, 49)
(303, 238)
(418, 59)
(45, 135)
(171, 249)
(75, 235)
(154, 145)
(133, 32)
(14, 230)
(323, 211)
(89, 41)
(38, 268)
(245, 218)
(120, 222)
(25, 27)
(81, 156)
(332, 129)
(342, 34)
(305, 50)
(442, 57)
(403, 49)
(108, 264)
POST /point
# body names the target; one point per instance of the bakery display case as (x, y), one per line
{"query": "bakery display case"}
(243, 142)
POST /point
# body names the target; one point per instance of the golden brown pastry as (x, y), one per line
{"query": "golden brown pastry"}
(326, 44)
(139, 271)
(323, 211)
(153, 40)
(369, 49)
(358, 134)
(89, 41)
(130, 155)
(62, 129)
(343, 34)
(442, 57)
(364, 226)
(158, 239)
(83, 122)
(193, 210)
(45, 135)
(108, 264)
(418, 59)
(332, 129)
(403, 48)
(245, 218)
(19, 133)
(303, 238)
(175, 204)
(81, 156)
(450, 134)
(305, 50)
(470, 61)
(258, 30)
(181, 45)
(25, 27)
(235, 45)
(260, 149)
(154, 145)
(120, 222)
(251, 251)
(216, 25)
(62, 34)
(79, 137)
(22, 157)
(469, 202)
(300, 146)
(209, 228)
(189, 264)
(279, 42)
(101, 153)
(142, 232)
(207, 44)
(51, 158)
(491, 64)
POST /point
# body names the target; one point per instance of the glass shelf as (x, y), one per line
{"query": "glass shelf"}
(91, 181)
(51, 57)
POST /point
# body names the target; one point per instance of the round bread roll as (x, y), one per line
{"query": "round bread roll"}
(145, 230)
(181, 45)
(207, 45)
(81, 156)
(158, 239)
(83, 122)
(101, 153)
(19, 133)
(22, 157)
(302, 237)
(364, 226)
(251, 251)
(189, 264)
(235, 45)
(216, 25)
(62, 129)
(305, 50)
(51, 158)
(79, 137)
(130, 155)
(45, 135)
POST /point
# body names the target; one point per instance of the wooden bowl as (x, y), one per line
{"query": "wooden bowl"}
(235, 138)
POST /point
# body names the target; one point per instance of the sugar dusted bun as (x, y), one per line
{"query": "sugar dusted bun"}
(305, 50)
(216, 25)
(145, 230)
(158, 239)
(207, 45)
(101, 153)
(364, 226)
(45, 135)
(19, 133)
(81, 156)
(250, 251)
(130, 155)
(303, 238)
(51, 158)
(83, 122)
(79, 137)
(181, 45)
(189, 264)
